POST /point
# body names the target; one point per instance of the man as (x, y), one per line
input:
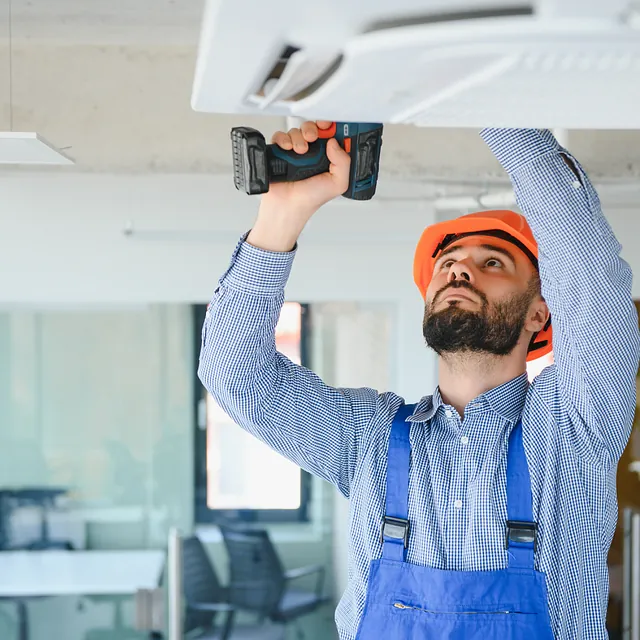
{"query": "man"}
(486, 510)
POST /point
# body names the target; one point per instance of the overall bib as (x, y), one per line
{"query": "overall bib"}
(412, 602)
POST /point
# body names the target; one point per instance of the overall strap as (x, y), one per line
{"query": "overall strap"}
(395, 525)
(521, 534)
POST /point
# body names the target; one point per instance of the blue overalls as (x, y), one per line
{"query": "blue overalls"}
(412, 602)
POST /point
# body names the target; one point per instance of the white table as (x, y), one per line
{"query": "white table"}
(62, 573)
(28, 574)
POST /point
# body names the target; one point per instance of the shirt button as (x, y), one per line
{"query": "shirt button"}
(464, 440)
(577, 184)
(448, 413)
(458, 504)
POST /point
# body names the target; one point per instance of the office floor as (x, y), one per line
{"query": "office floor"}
(76, 618)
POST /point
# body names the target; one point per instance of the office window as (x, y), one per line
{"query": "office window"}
(237, 476)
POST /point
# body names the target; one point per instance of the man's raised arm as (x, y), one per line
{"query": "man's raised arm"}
(586, 285)
(285, 405)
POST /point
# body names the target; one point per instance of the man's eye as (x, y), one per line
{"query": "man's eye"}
(446, 264)
(493, 262)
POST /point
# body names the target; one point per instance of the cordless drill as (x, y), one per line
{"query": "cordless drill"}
(256, 164)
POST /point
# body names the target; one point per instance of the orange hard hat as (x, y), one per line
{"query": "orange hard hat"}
(508, 225)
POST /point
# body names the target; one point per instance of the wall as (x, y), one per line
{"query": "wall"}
(62, 242)
(101, 401)
(62, 239)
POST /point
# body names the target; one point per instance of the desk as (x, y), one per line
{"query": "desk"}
(28, 574)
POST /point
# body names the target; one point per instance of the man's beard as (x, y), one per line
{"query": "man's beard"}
(495, 329)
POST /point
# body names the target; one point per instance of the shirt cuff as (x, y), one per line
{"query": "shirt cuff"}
(515, 148)
(257, 270)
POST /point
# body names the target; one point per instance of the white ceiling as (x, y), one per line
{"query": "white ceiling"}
(102, 22)
(109, 81)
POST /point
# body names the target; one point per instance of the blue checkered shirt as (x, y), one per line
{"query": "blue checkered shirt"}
(577, 414)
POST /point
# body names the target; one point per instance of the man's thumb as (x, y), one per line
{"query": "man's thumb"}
(340, 162)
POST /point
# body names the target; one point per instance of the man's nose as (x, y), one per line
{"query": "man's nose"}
(460, 271)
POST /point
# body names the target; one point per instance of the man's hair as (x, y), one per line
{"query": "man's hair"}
(535, 284)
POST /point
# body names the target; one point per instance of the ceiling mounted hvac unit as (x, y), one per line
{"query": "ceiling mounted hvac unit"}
(548, 63)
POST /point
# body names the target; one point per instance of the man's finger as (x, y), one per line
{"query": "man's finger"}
(299, 143)
(309, 131)
(282, 139)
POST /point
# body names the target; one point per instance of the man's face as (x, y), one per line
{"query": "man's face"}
(480, 297)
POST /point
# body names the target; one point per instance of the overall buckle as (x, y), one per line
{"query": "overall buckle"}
(522, 533)
(396, 529)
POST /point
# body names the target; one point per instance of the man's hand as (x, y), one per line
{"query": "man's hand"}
(287, 206)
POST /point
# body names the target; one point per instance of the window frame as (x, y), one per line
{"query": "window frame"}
(202, 513)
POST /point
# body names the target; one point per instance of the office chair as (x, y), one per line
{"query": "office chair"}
(208, 613)
(259, 582)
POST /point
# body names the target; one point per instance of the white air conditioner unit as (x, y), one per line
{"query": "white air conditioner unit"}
(543, 63)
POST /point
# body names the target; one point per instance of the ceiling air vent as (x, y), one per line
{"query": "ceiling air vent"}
(296, 74)
(432, 63)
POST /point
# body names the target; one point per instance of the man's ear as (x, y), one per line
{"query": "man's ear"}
(537, 316)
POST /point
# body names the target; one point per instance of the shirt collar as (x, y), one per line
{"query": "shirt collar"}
(427, 407)
(507, 401)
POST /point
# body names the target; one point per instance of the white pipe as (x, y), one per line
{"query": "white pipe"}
(174, 585)
(483, 201)
(562, 136)
(293, 122)
(635, 577)
(627, 560)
